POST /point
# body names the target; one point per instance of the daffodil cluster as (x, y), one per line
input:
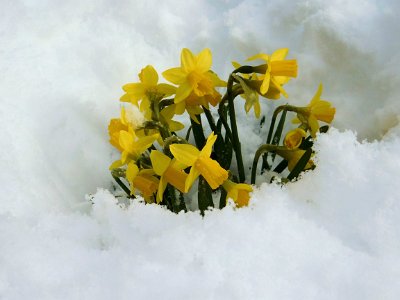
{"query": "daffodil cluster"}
(164, 163)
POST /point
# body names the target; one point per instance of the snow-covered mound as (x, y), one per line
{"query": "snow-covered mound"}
(332, 235)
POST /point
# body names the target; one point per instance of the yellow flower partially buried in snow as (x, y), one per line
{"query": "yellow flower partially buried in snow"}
(200, 162)
(278, 72)
(194, 75)
(316, 110)
(142, 180)
(238, 192)
(294, 138)
(293, 157)
(147, 89)
(169, 170)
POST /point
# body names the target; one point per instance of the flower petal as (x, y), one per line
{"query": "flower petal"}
(188, 60)
(174, 75)
(204, 60)
(184, 153)
(279, 54)
(207, 149)
(149, 76)
(194, 173)
(161, 188)
(183, 92)
(159, 161)
(259, 56)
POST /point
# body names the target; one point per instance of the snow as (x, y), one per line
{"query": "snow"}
(332, 235)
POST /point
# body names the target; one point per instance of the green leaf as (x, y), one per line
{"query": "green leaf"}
(281, 166)
(222, 199)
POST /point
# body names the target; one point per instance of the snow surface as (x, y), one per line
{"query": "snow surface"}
(335, 234)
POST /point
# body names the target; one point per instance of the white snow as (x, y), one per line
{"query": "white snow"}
(334, 234)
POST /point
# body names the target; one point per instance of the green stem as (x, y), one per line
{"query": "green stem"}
(210, 120)
(235, 134)
(198, 133)
(123, 186)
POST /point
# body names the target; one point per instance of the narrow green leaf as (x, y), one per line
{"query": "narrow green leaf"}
(222, 199)
(281, 166)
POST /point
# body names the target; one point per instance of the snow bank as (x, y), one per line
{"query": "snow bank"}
(334, 234)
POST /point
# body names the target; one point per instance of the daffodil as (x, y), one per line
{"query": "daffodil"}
(142, 180)
(194, 75)
(250, 95)
(193, 105)
(293, 157)
(294, 138)
(238, 192)
(114, 128)
(200, 162)
(278, 72)
(316, 110)
(169, 170)
(147, 89)
(166, 118)
(132, 146)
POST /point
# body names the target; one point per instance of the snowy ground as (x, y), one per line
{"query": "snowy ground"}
(333, 235)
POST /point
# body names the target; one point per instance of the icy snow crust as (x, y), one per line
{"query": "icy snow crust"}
(335, 234)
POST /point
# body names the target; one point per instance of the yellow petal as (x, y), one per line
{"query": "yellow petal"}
(175, 126)
(184, 153)
(183, 92)
(211, 170)
(259, 56)
(207, 149)
(257, 109)
(265, 84)
(159, 161)
(314, 126)
(175, 75)
(194, 173)
(176, 177)
(166, 89)
(135, 89)
(143, 143)
(161, 188)
(317, 95)
(116, 164)
(149, 76)
(188, 62)
(204, 60)
(279, 54)
(125, 139)
(131, 171)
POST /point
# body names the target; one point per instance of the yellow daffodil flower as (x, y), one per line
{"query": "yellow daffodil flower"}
(194, 75)
(132, 146)
(238, 192)
(169, 170)
(166, 118)
(250, 95)
(143, 180)
(294, 138)
(114, 128)
(278, 72)
(317, 109)
(200, 162)
(147, 89)
(293, 157)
